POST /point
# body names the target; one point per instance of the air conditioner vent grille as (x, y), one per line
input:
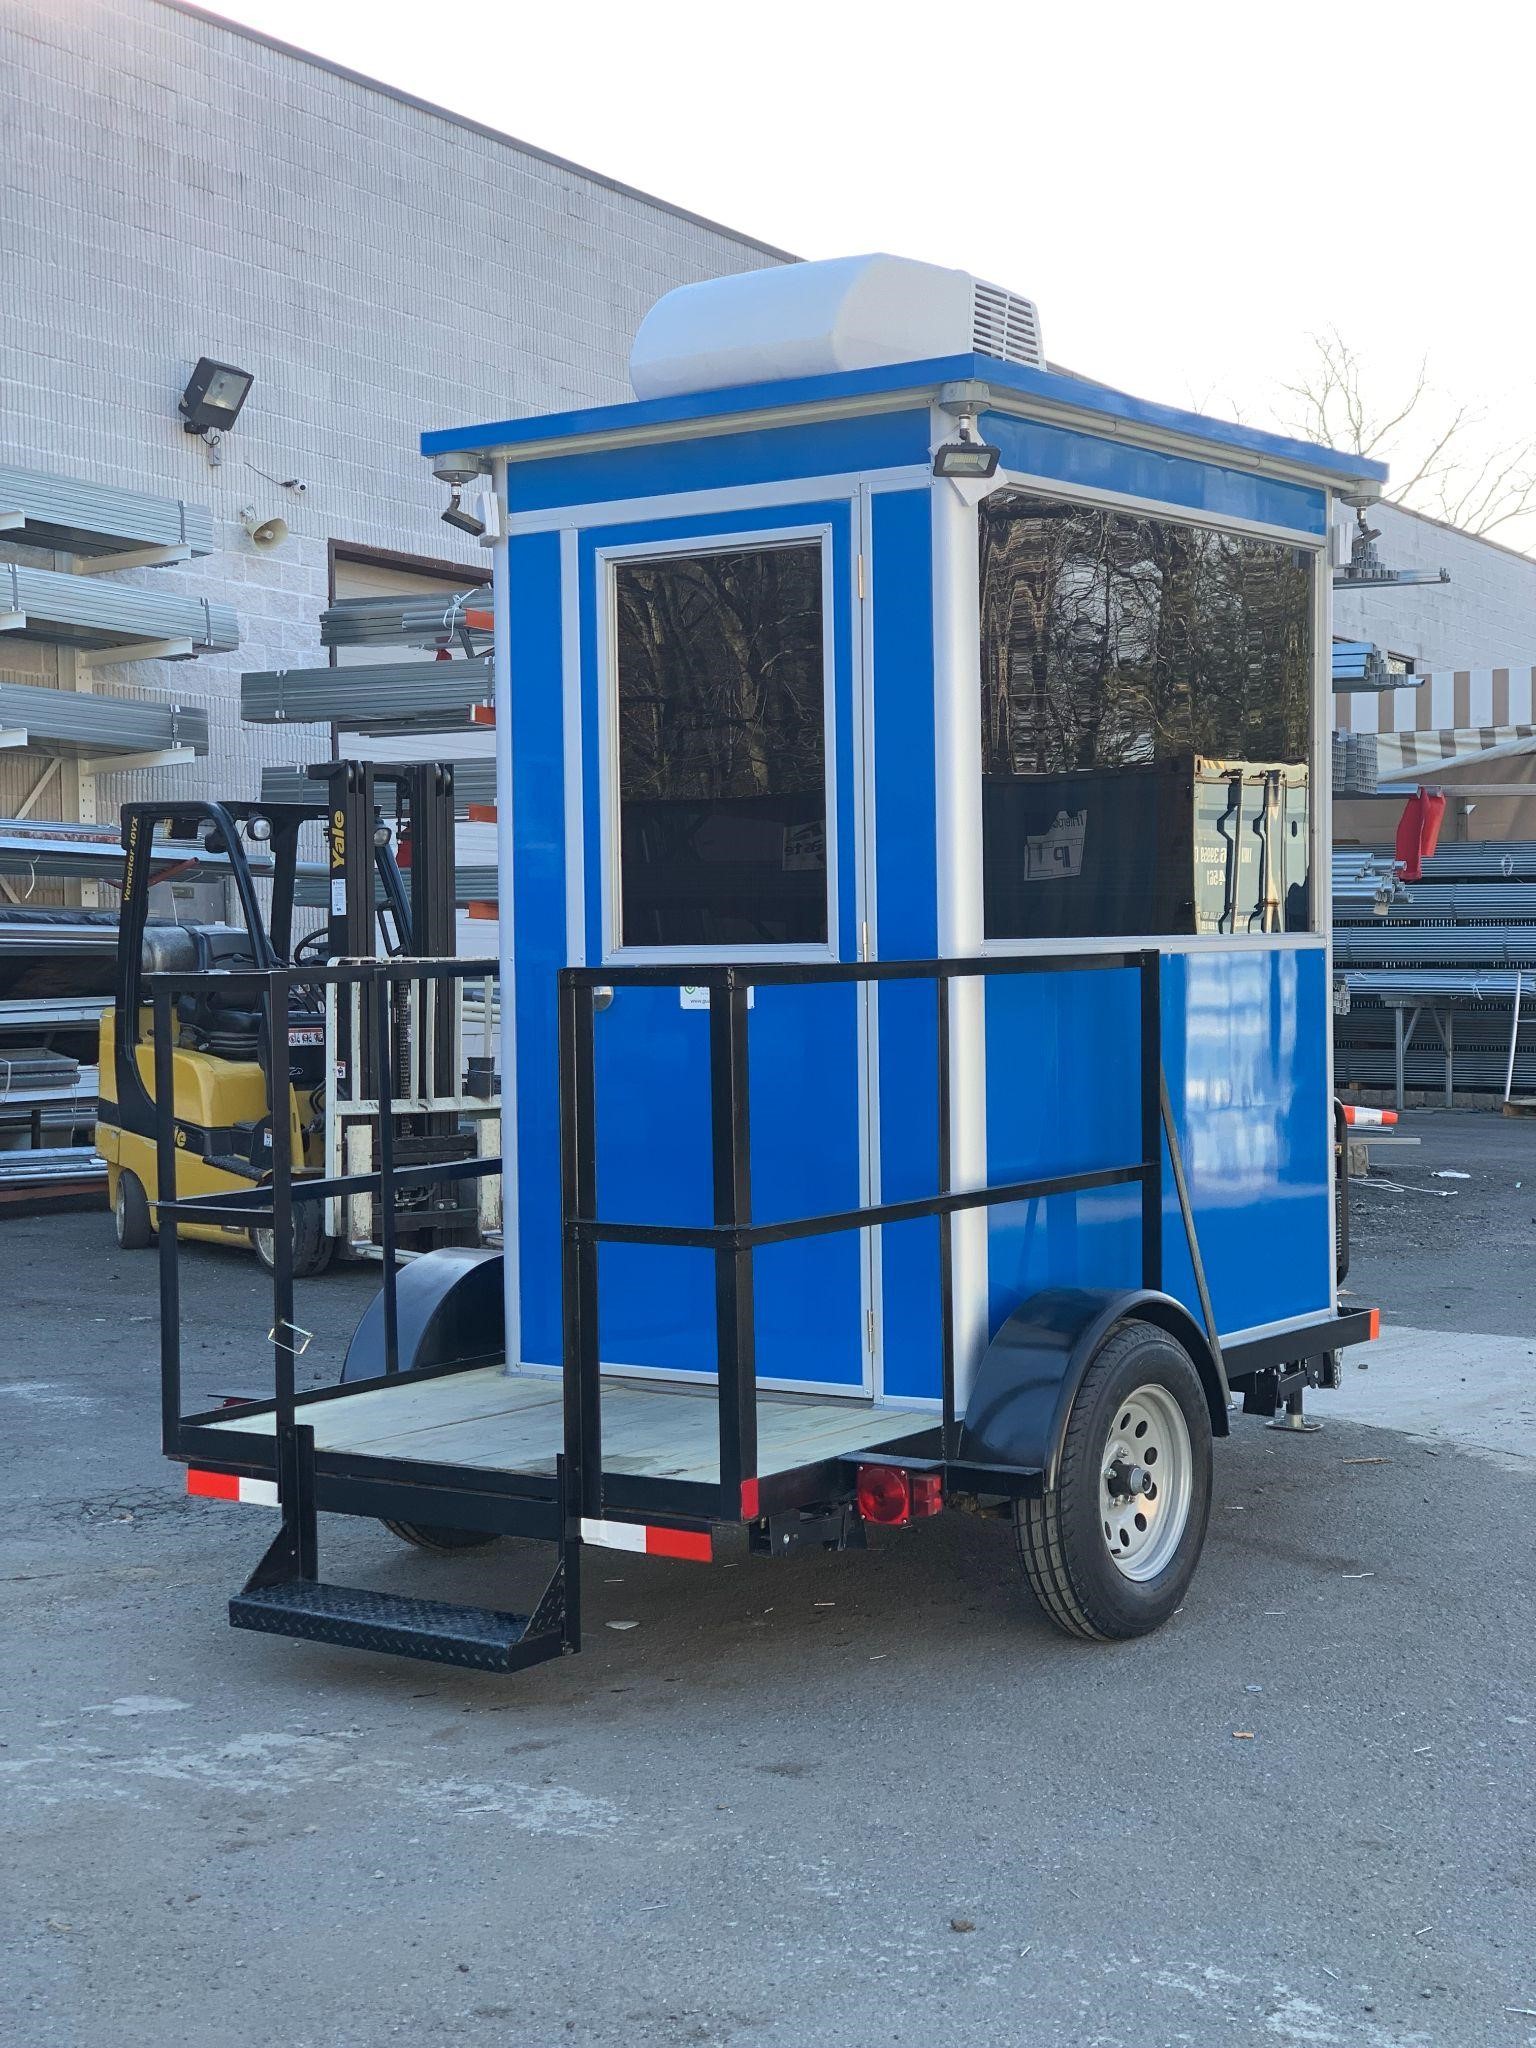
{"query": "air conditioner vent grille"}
(1006, 327)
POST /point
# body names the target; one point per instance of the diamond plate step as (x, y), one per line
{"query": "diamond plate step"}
(436, 1630)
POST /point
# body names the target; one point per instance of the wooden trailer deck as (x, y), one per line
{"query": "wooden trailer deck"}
(490, 1420)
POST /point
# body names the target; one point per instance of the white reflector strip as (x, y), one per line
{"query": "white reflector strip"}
(614, 1535)
(261, 1493)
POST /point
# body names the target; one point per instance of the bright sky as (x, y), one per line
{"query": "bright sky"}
(1187, 190)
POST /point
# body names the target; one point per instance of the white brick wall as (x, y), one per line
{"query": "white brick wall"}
(1485, 617)
(171, 188)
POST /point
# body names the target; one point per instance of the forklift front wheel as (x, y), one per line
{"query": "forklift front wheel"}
(1110, 1549)
(130, 1213)
(432, 1536)
(312, 1249)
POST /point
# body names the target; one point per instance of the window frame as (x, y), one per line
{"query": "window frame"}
(607, 561)
(1319, 823)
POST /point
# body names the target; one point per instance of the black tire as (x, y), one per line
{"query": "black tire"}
(1064, 1540)
(433, 1536)
(312, 1249)
(130, 1214)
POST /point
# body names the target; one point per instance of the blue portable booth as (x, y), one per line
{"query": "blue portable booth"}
(912, 770)
(1119, 636)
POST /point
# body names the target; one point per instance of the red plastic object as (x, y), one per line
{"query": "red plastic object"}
(884, 1495)
(1418, 832)
(927, 1494)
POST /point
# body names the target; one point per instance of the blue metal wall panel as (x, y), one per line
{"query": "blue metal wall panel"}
(906, 928)
(1245, 1050)
(538, 809)
(1106, 465)
(721, 461)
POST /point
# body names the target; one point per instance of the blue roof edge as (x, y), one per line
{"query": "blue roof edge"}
(546, 429)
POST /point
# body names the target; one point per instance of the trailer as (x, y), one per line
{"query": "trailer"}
(914, 985)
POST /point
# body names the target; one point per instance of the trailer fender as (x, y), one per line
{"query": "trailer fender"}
(448, 1306)
(1032, 1369)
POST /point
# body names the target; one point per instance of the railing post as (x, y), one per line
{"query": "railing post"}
(165, 1188)
(1151, 963)
(735, 1323)
(582, 1378)
(383, 1013)
(294, 1458)
(948, 1444)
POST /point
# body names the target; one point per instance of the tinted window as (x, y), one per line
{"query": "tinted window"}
(1146, 721)
(722, 748)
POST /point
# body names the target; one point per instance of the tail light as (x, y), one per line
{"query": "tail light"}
(891, 1495)
(884, 1495)
(927, 1494)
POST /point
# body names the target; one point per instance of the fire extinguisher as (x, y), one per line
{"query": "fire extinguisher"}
(1418, 832)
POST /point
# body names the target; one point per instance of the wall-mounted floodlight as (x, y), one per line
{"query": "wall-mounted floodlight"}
(969, 456)
(214, 395)
(460, 516)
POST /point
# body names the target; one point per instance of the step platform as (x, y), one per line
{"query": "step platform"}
(438, 1631)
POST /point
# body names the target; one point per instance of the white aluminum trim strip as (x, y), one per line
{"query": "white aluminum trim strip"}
(798, 490)
(607, 695)
(506, 924)
(957, 779)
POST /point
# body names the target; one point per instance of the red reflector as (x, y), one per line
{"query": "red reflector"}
(694, 1544)
(749, 1497)
(883, 1494)
(213, 1485)
(927, 1494)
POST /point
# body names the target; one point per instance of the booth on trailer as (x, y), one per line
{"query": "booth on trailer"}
(913, 913)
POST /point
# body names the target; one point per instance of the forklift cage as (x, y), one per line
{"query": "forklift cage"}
(270, 1206)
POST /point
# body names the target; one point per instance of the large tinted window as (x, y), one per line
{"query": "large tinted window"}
(722, 748)
(1146, 715)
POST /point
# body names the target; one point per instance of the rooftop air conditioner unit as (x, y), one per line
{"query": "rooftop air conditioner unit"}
(815, 319)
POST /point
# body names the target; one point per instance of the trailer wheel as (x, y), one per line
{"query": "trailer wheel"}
(1110, 1550)
(130, 1213)
(312, 1249)
(433, 1536)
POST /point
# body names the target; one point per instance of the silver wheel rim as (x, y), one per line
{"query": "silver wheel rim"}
(1146, 1479)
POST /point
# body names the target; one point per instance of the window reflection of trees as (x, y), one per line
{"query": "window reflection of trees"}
(720, 675)
(1110, 639)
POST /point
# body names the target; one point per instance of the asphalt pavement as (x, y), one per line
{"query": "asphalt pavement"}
(833, 1800)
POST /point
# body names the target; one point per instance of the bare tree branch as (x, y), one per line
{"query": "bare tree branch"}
(1443, 471)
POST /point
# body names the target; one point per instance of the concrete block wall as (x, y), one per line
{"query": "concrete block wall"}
(1485, 617)
(173, 187)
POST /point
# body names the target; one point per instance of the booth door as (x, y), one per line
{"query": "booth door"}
(725, 743)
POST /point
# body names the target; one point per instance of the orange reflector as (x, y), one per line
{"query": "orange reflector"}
(1375, 1324)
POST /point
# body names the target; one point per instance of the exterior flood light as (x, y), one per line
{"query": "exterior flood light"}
(214, 395)
(967, 457)
(457, 515)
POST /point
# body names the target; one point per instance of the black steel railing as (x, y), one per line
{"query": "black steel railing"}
(733, 1237)
(279, 1183)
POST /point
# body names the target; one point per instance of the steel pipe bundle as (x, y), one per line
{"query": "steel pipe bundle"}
(474, 782)
(94, 519)
(77, 721)
(368, 697)
(403, 620)
(93, 611)
(1466, 946)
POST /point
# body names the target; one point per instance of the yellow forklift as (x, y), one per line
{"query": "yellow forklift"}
(222, 1048)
